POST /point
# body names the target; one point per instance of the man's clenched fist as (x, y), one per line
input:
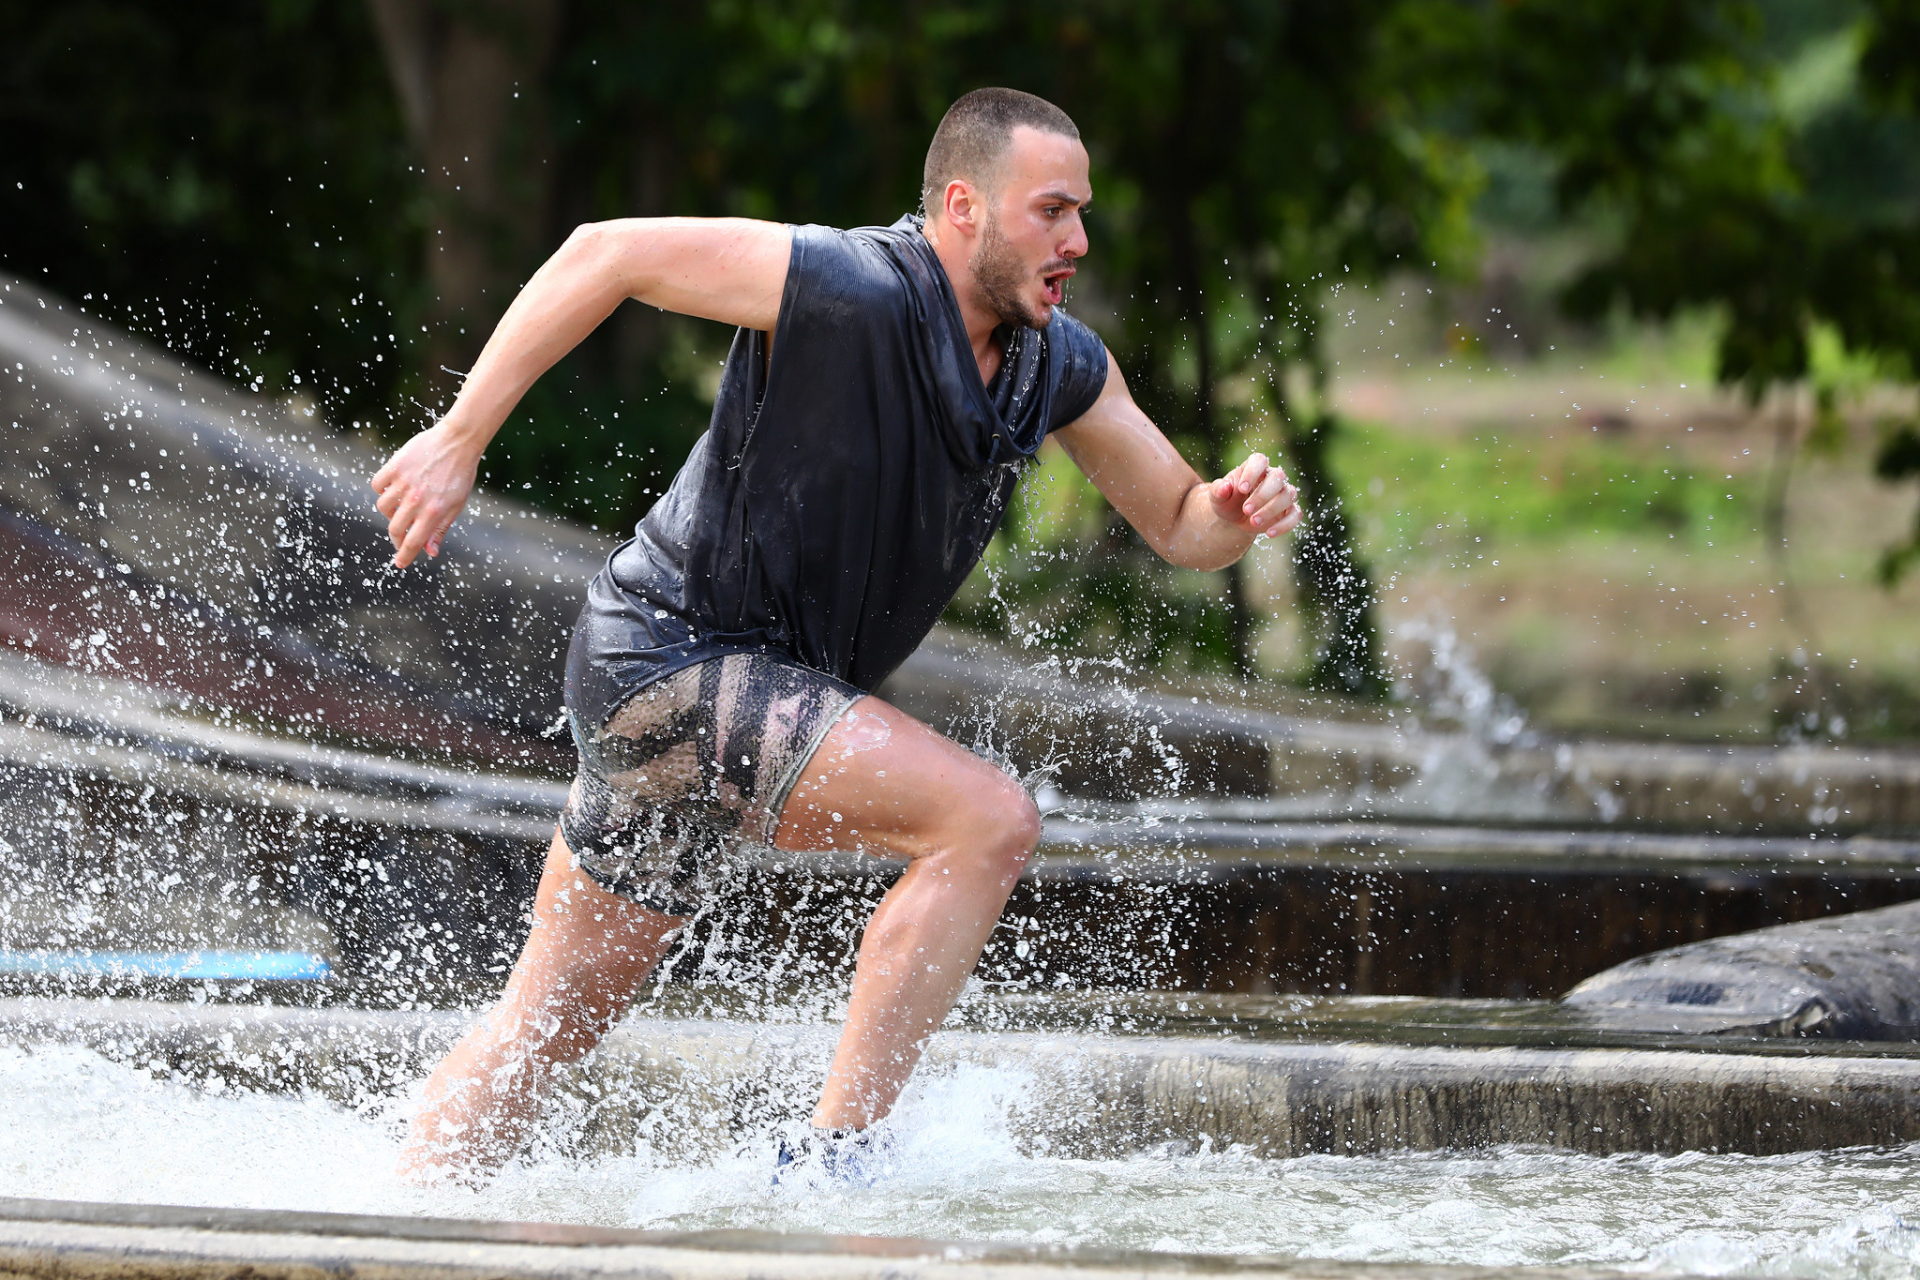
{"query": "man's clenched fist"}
(1257, 497)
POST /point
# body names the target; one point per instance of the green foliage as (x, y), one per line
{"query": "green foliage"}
(1254, 150)
(580, 447)
(1758, 160)
(1109, 598)
(1889, 67)
(1738, 150)
(229, 178)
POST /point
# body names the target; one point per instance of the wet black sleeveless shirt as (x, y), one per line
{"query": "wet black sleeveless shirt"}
(840, 496)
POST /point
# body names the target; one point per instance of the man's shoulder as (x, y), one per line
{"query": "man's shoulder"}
(1072, 334)
(1077, 365)
(902, 238)
(864, 260)
(1074, 349)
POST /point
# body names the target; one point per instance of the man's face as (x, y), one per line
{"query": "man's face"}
(1033, 231)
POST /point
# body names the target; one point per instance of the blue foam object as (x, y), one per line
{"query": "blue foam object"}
(294, 965)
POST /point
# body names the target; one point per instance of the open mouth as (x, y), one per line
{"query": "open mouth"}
(1055, 284)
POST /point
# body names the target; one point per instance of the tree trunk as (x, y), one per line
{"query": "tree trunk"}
(1335, 586)
(637, 328)
(1793, 610)
(1206, 423)
(1207, 426)
(471, 78)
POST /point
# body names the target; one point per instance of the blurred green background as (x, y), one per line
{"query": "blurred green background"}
(1590, 327)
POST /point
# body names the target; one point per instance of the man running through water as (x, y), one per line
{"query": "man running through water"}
(883, 388)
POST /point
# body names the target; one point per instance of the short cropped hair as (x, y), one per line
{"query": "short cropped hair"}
(974, 135)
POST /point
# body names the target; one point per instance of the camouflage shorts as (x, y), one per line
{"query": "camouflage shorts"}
(691, 769)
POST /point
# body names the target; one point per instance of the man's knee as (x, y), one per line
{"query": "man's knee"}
(1022, 818)
(1006, 828)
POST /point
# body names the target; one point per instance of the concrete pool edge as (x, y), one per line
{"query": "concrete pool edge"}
(78, 1240)
(699, 1086)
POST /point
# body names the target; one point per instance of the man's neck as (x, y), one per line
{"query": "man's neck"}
(981, 323)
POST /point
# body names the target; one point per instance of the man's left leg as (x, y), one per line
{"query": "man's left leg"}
(884, 783)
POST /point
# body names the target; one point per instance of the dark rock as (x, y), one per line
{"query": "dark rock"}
(1854, 977)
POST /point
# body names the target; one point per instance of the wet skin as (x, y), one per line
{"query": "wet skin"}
(881, 782)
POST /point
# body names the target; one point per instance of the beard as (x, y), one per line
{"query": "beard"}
(1002, 278)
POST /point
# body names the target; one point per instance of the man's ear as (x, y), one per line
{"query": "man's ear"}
(962, 206)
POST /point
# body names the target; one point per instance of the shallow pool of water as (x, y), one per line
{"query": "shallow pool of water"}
(81, 1127)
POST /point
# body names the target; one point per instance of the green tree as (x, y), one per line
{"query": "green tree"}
(1256, 151)
(339, 190)
(1244, 152)
(230, 178)
(1762, 160)
(470, 79)
(1899, 460)
(348, 195)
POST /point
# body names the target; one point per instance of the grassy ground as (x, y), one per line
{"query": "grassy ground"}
(1602, 543)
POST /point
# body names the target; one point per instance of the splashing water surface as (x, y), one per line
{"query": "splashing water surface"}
(86, 1128)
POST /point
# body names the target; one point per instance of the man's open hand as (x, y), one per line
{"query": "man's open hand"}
(422, 489)
(1257, 496)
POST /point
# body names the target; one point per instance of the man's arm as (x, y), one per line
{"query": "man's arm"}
(728, 269)
(1190, 522)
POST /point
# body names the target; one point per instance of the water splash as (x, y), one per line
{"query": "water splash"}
(89, 1129)
(1443, 680)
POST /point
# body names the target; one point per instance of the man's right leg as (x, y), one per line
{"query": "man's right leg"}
(587, 955)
